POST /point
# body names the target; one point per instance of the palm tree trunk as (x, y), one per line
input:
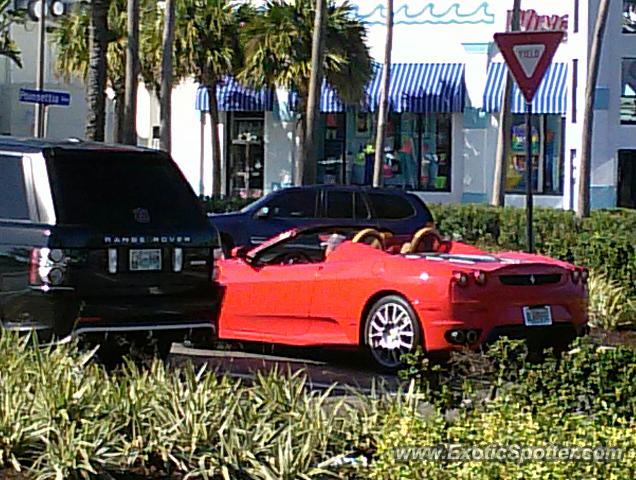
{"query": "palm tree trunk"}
(213, 108)
(96, 82)
(120, 116)
(132, 73)
(165, 100)
(313, 103)
(383, 111)
(585, 171)
(299, 152)
(504, 135)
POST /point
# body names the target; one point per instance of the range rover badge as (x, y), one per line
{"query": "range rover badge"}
(141, 215)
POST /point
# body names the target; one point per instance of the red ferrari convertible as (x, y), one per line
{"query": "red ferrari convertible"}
(343, 286)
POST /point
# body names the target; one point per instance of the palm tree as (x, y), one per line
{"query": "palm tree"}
(504, 134)
(71, 38)
(207, 48)
(167, 75)
(278, 47)
(99, 37)
(307, 173)
(132, 72)
(585, 172)
(8, 47)
(383, 111)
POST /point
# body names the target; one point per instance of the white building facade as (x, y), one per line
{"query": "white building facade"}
(445, 95)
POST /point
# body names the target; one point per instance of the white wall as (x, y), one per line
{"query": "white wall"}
(279, 151)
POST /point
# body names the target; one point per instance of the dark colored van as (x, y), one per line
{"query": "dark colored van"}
(98, 239)
(387, 209)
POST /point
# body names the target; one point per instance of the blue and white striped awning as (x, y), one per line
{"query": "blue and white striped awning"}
(234, 97)
(421, 88)
(551, 97)
(330, 102)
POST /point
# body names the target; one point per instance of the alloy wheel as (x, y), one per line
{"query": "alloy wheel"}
(391, 332)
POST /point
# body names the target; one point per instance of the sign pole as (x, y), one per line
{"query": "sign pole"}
(38, 128)
(529, 198)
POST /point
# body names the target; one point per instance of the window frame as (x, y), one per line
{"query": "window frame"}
(375, 215)
(626, 97)
(27, 183)
(328, 191)
(623, 12)
(543, 121)
(287, 192)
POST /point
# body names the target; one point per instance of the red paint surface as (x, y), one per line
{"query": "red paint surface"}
(324, 303)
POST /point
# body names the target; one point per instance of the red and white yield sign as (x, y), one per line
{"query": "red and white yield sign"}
(528, 56)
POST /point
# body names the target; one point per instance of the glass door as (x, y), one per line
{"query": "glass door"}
(246, 160)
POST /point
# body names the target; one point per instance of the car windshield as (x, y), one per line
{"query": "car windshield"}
(122, 189)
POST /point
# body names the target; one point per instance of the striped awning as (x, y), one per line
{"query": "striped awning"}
(421, 88)
(330, 102)
(234, 97)
(551, 97)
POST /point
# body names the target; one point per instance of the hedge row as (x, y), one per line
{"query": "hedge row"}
(605, 242)
(64, 417)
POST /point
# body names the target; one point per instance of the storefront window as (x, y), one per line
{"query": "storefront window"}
(547, 155)
(435, 165)
(417, 152)
(629, 16)
(331, 164)
(246, 155)
(628, 91)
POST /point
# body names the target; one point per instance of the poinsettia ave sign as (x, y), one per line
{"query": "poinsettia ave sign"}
(528, 56)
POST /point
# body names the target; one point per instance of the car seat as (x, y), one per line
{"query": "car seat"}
(371, 237)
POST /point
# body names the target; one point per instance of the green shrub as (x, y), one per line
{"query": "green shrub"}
(605, 242)
(218, 204)
(62, 416)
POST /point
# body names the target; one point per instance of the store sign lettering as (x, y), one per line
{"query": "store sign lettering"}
(531, 21)
(440, 13)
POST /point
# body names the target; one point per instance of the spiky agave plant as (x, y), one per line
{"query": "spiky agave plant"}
(611, 306)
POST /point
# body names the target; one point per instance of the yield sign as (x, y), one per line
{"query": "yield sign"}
(528, 56)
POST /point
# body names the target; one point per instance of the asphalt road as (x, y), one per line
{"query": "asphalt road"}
(323, 368)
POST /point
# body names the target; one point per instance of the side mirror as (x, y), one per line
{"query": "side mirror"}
(239, 252)
(262, 213)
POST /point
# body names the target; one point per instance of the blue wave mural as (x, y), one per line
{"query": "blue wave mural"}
(431, 13)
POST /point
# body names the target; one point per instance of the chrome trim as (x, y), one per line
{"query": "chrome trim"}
(137, 328)
(112, 260)
(23, 327)
(49, 288)
(43, 194)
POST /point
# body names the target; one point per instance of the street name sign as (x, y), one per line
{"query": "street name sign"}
(46, 97)
(528, 56)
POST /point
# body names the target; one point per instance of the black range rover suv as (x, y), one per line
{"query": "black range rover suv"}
(98, 239)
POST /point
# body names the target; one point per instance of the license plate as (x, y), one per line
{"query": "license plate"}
(145, 260)
(537, 316)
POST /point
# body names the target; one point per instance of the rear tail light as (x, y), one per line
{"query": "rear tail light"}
(112, 260)
(585, 275)
(576, 275)
(480, 277)
(47, 267)
(177, 259)
(460, 278)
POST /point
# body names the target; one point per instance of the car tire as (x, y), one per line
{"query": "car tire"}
(139, 348)
(391, 329)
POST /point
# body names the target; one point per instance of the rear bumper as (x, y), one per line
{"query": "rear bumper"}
(60, 313)
(492, 322)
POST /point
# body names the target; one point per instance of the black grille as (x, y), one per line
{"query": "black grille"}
(530, 280)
